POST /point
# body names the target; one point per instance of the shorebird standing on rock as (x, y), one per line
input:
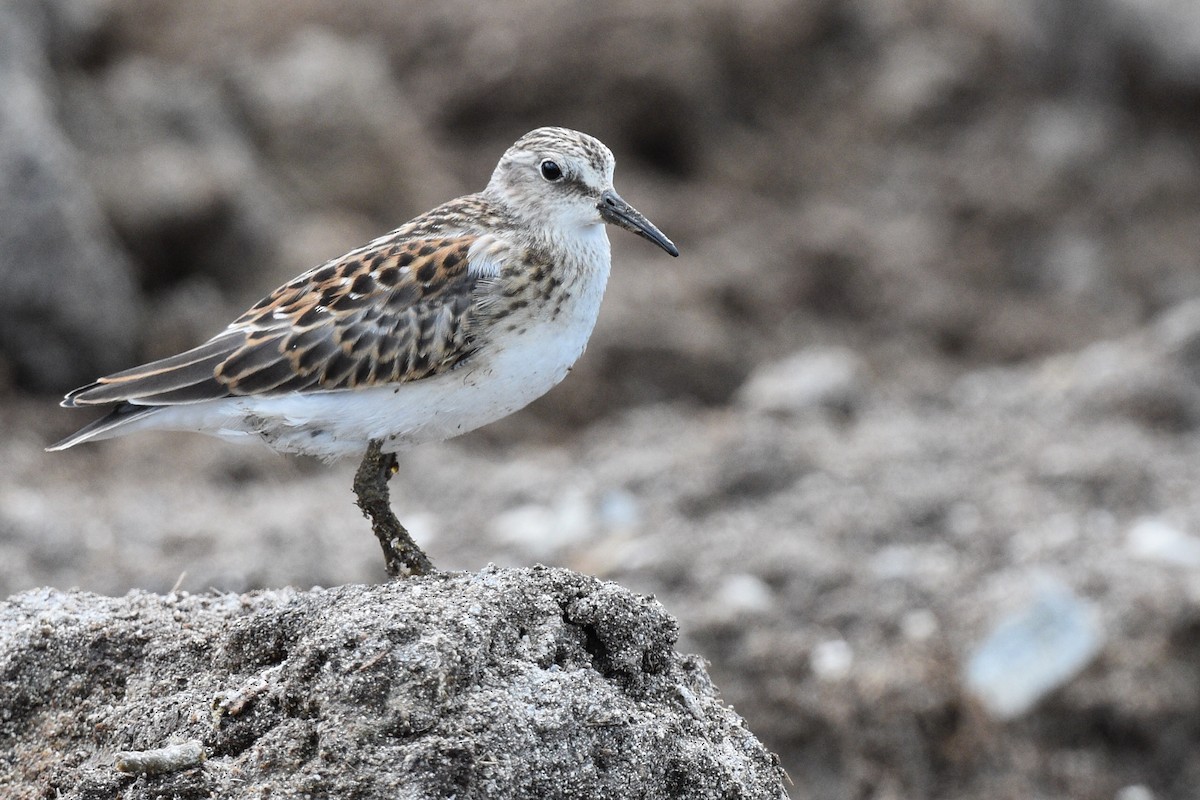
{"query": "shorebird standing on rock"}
(457, 318)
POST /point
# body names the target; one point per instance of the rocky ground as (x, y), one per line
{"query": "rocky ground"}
(907, 439)
(518, 683)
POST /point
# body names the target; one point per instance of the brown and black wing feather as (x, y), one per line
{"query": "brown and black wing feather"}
(384, 317)
(392, 312)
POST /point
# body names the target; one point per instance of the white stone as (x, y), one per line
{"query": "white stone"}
(1134, 792)
(1153, 539)
(741, 593)
(543, 530)
(832, 660)
(813, 377)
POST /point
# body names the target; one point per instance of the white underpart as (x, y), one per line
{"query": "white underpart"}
(516, 368)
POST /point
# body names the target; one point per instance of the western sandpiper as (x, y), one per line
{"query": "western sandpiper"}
(453, 320)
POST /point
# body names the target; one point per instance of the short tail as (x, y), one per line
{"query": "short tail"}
(107, 426)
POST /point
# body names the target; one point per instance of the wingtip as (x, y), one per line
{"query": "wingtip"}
(105, 427)
(71, 399)
(63, 444)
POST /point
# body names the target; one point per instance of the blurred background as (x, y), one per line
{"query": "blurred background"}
(908, 439)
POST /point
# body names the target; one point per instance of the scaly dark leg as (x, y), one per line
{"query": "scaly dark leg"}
(401, 555)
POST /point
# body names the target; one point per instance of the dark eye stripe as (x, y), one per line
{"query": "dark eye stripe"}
(576, 185)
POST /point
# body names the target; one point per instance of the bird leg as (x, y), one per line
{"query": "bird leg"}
(401, 555)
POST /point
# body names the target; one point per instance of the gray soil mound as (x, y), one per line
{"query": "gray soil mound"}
(506, 683)
(907, 439)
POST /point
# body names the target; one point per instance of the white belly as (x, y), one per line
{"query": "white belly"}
(514, 369)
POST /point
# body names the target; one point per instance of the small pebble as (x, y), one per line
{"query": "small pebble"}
(742, 593)
(1152, 539)
(831, 660)
(814, 377)
(1135, 792)
(172, 758)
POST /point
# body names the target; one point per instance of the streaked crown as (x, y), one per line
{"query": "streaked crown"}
(555, 176)
(559, 181)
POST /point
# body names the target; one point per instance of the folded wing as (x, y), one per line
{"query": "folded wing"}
(392, 312)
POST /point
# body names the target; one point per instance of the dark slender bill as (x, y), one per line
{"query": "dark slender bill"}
(615, 210)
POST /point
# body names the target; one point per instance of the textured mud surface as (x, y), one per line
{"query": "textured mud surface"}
(529, 683)
(918, 404)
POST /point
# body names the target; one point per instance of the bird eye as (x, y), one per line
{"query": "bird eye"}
(551, 171)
